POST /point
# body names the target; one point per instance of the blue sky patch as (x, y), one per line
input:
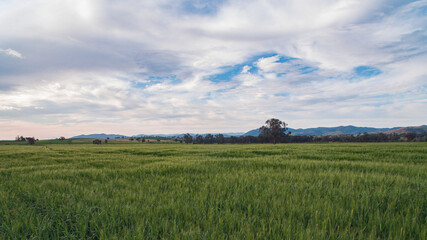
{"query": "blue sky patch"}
(229, 72)
(201, 7)
(282, 94)
(285, 59)
(367, 71)
(172, 79)
(307, 70)
(271, 54)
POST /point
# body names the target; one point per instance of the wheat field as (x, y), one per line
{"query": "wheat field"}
(179, 191)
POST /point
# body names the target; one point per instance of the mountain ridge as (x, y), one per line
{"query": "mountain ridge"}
(319, 131)
(99, 135)
(346, 130)
(113, 136)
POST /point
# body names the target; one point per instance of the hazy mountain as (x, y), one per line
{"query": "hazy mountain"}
(323, 131)
(157, 135)
(192, 134)
(113, 136)
(100, 136)
(320, 131)
(254, 132)
(341, 130)
(417, 129)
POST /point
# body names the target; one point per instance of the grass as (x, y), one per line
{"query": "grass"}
(178, 191)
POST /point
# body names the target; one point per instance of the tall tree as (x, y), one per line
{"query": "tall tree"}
(188, 138)
(219, 138)
(273, 129)
(199, 139)
(209, 139)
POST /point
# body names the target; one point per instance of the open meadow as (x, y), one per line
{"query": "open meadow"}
(180, 191)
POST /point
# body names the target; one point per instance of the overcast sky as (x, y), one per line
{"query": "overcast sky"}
(70, 67)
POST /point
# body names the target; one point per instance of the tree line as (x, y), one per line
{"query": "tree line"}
(30, 140)
(276, 131)
(365, 137)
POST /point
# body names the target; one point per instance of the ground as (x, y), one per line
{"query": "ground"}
(283, 191)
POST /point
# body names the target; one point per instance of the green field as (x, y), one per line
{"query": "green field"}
(178, 191)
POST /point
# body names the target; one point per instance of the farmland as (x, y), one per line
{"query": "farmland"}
(152, 191)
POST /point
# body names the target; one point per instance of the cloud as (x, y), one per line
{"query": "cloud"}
(220, 65)
(246, 69)
(11, 52)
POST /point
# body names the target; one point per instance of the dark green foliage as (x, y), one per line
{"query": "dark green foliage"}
(31, 140)
(274, 130)
(177, 191)
(188, 138)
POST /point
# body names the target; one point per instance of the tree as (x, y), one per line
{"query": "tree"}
(219, 138)
(30, 140)
(199, 139)
(209, 139)
(20, 138)
(188, 138)
(273, 129)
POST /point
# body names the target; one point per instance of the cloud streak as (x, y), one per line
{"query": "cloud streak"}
(11, 52)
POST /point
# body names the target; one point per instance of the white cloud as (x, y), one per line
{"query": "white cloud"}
(132, 61)
(11, 52)
(268, 64)
(246, 69)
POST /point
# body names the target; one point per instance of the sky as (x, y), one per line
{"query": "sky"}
(132, 67)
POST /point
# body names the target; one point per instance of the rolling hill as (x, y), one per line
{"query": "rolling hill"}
(99, 136)
(416, 129)
(323, 131)
(320, 131)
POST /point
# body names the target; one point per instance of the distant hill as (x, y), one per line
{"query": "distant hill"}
(192, 134)
(341, 130)
(99, 136)
(254, 132)
(417, 129)
(320, 131)
(157, 135)
(113, 136)
(323, 131)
